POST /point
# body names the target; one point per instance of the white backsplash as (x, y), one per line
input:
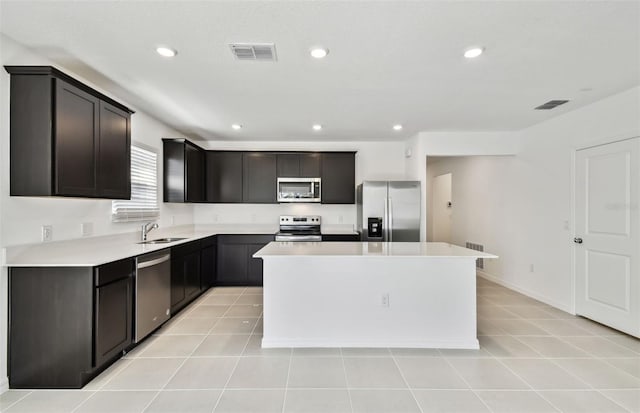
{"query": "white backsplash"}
(332, 215)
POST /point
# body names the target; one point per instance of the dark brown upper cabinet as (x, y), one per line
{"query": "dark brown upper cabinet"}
(338, 177)
(259, 177)
(184, 171)
(66, 139)
(299, 165)
(224, 177)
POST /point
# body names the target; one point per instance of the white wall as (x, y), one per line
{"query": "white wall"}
(21, 218)
(520, 207)
(453, 144)
(374, 160)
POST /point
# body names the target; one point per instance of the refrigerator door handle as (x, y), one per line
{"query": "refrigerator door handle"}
(385, 221)
(390, 209)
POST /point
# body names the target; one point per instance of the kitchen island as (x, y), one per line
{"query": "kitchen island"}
(369, 294)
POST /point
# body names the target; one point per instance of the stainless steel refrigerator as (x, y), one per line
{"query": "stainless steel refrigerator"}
(389, 210)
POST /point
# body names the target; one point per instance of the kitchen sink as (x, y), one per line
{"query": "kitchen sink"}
(161, 241)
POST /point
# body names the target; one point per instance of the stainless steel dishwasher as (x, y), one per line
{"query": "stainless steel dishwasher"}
(153, 292)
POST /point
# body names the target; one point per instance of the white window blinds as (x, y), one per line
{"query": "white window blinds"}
(143, 204)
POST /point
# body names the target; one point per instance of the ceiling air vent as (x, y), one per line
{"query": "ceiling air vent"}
(265, 52)
(551, 104)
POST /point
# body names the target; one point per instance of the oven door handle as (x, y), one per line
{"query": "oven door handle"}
(298, 238)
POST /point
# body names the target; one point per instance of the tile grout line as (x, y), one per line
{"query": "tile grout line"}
(186, 358)
(83, 402)
(591, 387)
(286, 384)
(20, 399)
(346, 379)
(174, 373)
(528, 384)
(215, 406)
(560, 338)
(415, 399)
(465, 381)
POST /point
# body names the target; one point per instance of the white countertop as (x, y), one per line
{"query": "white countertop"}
(93, 251)
(368, 249)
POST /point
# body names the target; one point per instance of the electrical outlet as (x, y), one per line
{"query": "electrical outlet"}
(385, 300)
(531, 268)
(47, 233)
(86, 229)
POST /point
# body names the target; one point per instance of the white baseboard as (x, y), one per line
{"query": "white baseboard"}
(471, 343)
(4, 385)
(524, 291)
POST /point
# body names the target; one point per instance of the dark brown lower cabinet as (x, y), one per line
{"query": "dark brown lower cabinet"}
(113, 310)
(235, 262)
(66, 324)
(185, 274)
(341, 237)
(207, 263)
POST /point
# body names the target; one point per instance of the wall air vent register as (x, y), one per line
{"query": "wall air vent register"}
(265, 52)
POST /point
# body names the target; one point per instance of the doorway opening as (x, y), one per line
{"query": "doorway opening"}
(441, 205)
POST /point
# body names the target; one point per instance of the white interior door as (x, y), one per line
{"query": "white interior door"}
(441, 204)
(607, 243)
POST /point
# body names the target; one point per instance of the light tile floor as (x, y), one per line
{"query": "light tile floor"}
(534, 358)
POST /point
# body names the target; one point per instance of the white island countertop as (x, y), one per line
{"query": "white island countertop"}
(368, 249)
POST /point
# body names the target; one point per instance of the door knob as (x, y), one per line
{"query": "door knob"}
(577, 240)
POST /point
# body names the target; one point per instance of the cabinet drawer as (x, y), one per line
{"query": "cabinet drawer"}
(113, 271)
(185, 249)
(341, 237)
(245, 239)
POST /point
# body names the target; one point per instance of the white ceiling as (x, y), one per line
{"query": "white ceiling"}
(389, 62)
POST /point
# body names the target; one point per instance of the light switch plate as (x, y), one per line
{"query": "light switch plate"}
(47, 233)
(86, 229)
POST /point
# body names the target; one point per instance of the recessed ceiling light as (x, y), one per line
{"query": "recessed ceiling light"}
(236, 126)
(397, 127)
(317, 126)
(319, 52)
(166, 51)
(473, 52)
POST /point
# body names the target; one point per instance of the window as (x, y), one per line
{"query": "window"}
(143, 204)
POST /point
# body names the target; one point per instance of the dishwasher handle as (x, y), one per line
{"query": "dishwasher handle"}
(144, 264)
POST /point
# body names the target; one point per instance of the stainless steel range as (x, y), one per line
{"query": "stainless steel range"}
(299, 228)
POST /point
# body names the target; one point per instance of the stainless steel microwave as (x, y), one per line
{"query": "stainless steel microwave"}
(299, 189)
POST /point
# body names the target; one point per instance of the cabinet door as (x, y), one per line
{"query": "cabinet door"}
(232, 264)
(113, 319)
(194, 172)
(177, 281)
(191, 264)
(76, 138)
(254, 265)
(288, 165)
(338, 178)
(224, 177)
(259, 177)
(310, 165)
(114, 153)
(207, 266)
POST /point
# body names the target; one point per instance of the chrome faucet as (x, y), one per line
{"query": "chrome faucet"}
(146, 228)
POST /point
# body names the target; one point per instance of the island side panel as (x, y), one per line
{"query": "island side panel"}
(337, 302)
